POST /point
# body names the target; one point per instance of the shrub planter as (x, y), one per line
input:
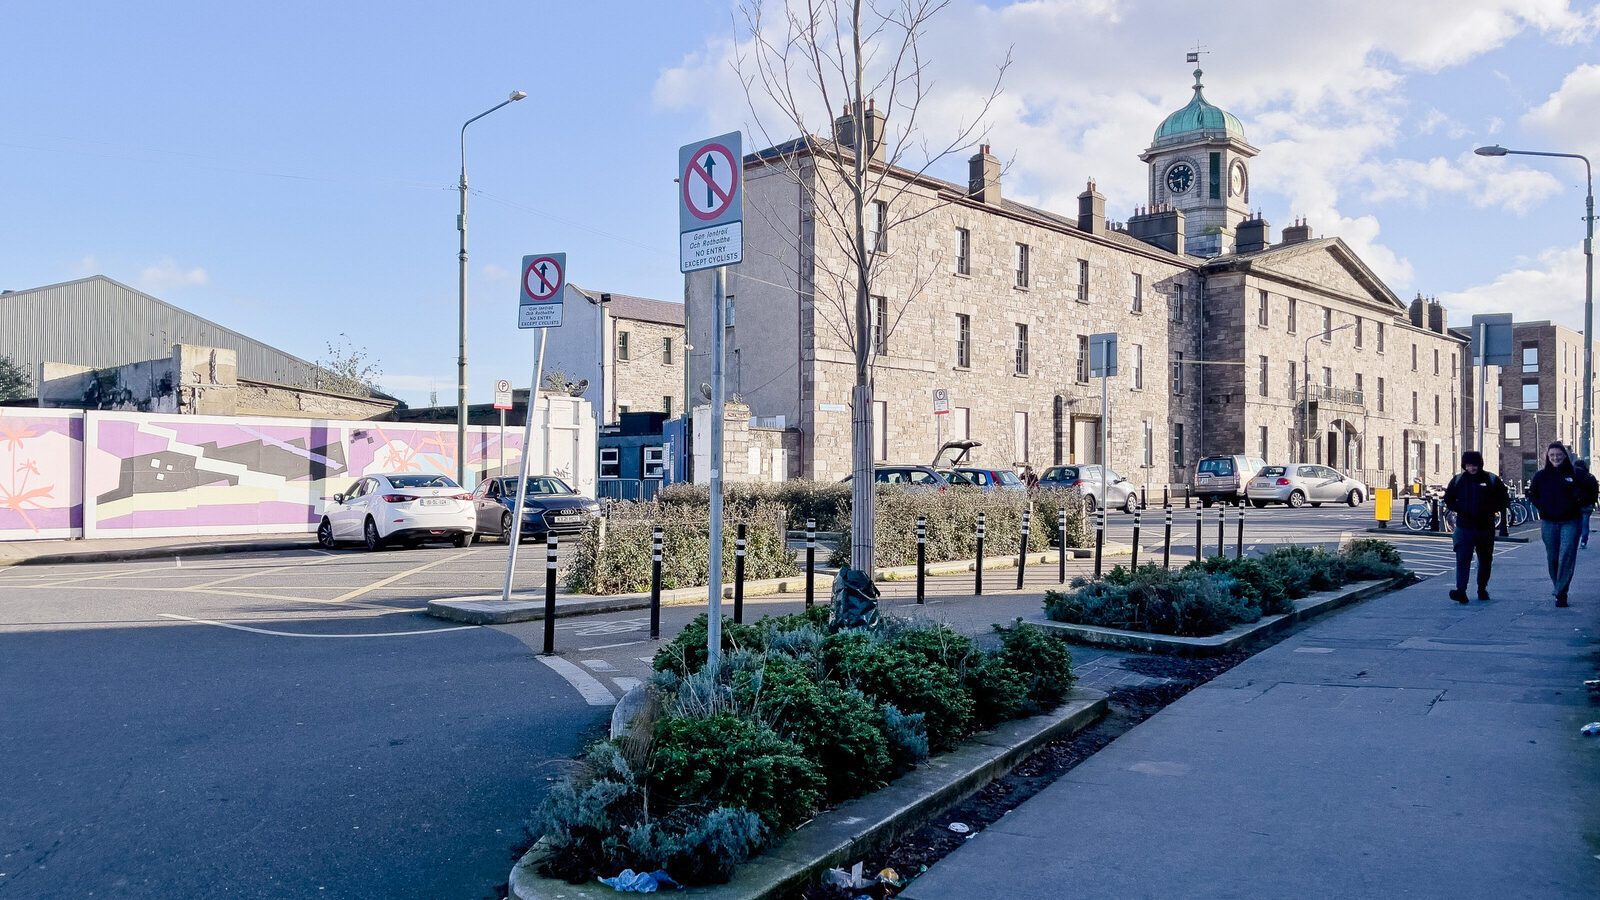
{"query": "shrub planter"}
(860, 826)
(1216, 644)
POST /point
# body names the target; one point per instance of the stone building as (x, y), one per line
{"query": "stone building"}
(1541, 395)
(628, 350)
(1224, 336)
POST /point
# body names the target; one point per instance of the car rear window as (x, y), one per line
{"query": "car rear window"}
(422, 481)
(1221, 466)
(976, 476)
(1009, 478)
(1061, 473)
(1272, 470)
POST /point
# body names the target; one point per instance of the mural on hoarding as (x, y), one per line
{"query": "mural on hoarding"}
(41, 487)
(65, 473)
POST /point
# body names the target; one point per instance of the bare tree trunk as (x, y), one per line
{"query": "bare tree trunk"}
(863, 524)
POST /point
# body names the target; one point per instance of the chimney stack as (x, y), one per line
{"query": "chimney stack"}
(1436, 316)
(983, 177)
(1297, 233)
(1091, 211)
(1160, 226)
(844, 130)
(1251, 235)
(1418, 311)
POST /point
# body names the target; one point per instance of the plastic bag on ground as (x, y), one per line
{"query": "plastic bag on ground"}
(628, 881)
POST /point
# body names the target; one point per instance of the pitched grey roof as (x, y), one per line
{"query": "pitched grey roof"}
(640, 309)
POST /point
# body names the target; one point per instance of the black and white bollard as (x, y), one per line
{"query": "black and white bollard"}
(811, 562)
(655, 583)
(550, 595)
(1222, 525)
(1238, 544)
(922, 558)
(1061, 531)
(1022, 554)
(1099, 540)
(738, 576)
(1166, 543)
(1137, 516)
(978, 572)
(1199, 533)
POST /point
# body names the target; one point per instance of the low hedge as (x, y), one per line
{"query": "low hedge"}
(953, 518)
(1210, 596)
(613, 555)
(827, 502)
(723, 763)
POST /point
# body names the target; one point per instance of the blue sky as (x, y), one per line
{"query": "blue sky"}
(289, 172)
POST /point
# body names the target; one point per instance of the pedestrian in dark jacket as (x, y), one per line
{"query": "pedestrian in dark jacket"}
(1588, 511)
(1476, 497)
(1560, 492)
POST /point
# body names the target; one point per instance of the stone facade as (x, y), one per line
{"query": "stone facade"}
(587, 348)
(1549, 361)
(650, 377)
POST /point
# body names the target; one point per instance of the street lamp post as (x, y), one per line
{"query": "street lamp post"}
(1305, 392)
(461, 358)
(1588, 283)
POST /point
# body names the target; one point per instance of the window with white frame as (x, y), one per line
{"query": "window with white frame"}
(963, 340)
(1082, 374)
(1138, 292)
(610, 462)
(1083, 281)
(622, 345)
(1138, 367)
(654, 462)
(1177, 443)
(1022, 349)
(963, 251)
(1261, 385)
(1177, 303)
(880, 325)
(1177, 373)
(1149, 455)
(1263, 315)
(878, 226)
(1512, 430)
(666, 351)
(1327, 325)
(1022, 265)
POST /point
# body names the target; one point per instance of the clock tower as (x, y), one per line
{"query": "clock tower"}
(1199, 163)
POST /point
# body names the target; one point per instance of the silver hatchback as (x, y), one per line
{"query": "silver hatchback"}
(1298, 484)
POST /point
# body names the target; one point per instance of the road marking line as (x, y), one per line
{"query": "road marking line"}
(593, 692)
(626, 684)
(614, 646)
(393, 578)
(303, 635)
(598, 665)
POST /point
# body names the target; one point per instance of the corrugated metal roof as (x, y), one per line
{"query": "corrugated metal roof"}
(99, 322)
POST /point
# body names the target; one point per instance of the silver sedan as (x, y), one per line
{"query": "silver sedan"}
(1298, 484)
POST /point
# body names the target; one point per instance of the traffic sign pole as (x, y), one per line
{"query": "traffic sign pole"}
(522, 469)
(714, 589)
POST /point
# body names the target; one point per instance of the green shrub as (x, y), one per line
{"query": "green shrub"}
(836, 726)
(999, 692)
(584, 816)
(613, 555)
(1367, 559)
(907, 734)
(828, 502)
(1043, 661)
(686, 652)
(725, 760)
(906, 679)
(1191, 602)
(695, 847)
(1255, 583)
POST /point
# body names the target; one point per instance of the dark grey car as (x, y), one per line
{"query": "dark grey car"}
(551, 507)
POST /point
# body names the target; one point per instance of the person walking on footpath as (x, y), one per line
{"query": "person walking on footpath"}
(1475, 496)
(1588, 511)
(1560, 491)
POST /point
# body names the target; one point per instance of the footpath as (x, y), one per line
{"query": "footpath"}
(1405, 747)
(16, 553)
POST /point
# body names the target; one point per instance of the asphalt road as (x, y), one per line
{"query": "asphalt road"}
(292, 724)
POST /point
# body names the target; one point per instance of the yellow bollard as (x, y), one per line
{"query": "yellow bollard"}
(1382, 502)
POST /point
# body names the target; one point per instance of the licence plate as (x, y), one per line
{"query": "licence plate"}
(435, 501)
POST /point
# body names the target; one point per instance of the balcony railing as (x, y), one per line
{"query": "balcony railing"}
(1328, 394)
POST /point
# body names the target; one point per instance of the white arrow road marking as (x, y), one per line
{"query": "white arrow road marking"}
(305, 635)
(594, 693)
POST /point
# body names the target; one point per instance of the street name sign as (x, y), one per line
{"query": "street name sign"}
(543, 277)
(711, 203)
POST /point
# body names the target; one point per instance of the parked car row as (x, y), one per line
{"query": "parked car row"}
(413, 509)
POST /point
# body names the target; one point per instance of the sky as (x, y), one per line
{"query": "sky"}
(288, 170)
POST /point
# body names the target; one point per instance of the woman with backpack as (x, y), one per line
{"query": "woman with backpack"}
(1561, 491)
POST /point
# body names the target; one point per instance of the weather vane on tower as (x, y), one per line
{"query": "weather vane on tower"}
(1194, 55)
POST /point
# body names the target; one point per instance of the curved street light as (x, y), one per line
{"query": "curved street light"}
(1588, 283)
(461, 358)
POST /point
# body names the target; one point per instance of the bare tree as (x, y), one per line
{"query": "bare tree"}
(808, 58)
(347, 369)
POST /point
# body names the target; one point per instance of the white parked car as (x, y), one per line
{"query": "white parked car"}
(404, 508)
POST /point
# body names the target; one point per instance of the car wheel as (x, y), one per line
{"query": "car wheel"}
(1129, 504)
(462, 540)
(1259, 504)
(373, 540)
(325, 535)
(1297, 499)
(1088, 503)
(1354, 499)
(505, 527)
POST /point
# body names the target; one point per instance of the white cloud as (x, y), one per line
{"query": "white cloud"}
(1483, 181)
(1549, 286)
(1570, 116)
(166, 275)
(88, 265)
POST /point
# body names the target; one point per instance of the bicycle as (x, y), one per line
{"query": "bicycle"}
(1521, 511)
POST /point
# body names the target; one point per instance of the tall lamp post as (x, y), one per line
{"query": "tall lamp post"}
(1305, 393)
(1588, 284)
(461, 358)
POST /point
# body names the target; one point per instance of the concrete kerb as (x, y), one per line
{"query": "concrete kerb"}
(862, 825)
(1226, 642)
(165, 551)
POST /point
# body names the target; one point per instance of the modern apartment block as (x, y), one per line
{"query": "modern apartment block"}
(1229, 343)
(1541, 395)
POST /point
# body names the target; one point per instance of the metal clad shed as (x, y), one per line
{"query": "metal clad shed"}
(100, 322)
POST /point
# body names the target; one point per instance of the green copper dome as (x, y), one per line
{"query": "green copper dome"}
(1198, 116)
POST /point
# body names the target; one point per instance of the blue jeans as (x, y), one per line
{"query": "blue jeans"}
(1561, 552)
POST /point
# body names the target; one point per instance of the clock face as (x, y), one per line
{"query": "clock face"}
(1238, 180)
(1180, 178)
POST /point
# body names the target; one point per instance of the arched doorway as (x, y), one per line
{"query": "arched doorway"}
(1341, 445)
